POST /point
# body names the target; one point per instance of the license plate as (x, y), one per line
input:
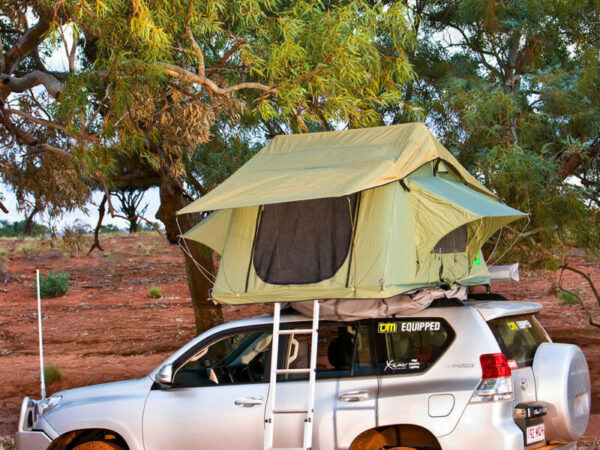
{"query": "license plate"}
(535, 433)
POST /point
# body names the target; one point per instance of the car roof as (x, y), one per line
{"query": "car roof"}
(493, 309)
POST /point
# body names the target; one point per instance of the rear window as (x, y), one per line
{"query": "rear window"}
(411, 346)
(519, 338)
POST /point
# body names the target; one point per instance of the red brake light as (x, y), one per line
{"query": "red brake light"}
(494, 365)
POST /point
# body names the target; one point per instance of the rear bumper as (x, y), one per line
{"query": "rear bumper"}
(560, 446)
(487, 426)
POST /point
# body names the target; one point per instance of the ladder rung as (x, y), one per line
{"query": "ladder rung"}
(289, 411)
(297, 331)
(291, 371)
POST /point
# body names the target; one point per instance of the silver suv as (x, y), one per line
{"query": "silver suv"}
(458, 375)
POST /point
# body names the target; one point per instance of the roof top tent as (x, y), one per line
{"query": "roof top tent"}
(357, 214)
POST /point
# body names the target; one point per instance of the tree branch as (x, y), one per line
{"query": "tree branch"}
(227, 55)
(34, 119)
(185, 75)
(35, 78)
(569, 162)
(2, 62)
(564, 267)
(3, 208)
(197, 51)
(101, 211)
(25, 44)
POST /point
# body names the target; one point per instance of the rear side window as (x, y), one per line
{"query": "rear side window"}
(519, 338)
(411, 346)
(343, 350)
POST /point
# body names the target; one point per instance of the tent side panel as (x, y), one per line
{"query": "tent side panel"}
(212, 231)
(237, 253)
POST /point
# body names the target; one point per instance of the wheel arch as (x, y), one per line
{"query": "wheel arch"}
(405, 435)
(72, 438)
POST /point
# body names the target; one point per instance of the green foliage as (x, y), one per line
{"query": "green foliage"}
(28, 248)
(53, 285)
(110, 228)
(568, 297)
(52, 375)
(154, 292)
(512, 90)
(17, 229)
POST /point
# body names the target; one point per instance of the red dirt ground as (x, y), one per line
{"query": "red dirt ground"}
(106, 328)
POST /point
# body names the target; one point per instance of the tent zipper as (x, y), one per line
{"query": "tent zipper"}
(258, 216)
(354, 224)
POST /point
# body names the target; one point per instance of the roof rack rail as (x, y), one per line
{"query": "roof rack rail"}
(487, 296)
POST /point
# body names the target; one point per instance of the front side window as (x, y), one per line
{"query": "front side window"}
(343, 350)
(518, 338)
(235, 359)
(411, 346)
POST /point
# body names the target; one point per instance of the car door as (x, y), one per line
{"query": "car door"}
(217, 397)
(345, 391)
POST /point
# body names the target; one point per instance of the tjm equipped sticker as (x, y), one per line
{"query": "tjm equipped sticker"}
(422, 325)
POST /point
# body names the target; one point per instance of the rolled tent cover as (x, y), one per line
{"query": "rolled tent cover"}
(358, 214)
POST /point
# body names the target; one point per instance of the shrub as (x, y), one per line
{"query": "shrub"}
(54, 285)
(28, 248)
(74, 240)
(7, 443)
(567, 297)
(52, 375)
(154, 292)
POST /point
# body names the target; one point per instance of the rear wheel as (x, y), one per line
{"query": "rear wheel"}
(396, 437)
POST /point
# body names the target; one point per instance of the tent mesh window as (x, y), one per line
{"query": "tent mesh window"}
(304, 242)
(453, 242)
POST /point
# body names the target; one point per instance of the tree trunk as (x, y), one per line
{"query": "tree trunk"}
(29, 222)
(133, 225)
(206, 313)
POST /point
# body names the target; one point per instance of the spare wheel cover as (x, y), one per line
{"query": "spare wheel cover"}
(562, 381)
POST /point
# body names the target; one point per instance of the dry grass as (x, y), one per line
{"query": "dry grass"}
(7, 443)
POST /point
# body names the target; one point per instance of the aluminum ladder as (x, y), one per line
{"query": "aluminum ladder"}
(270, 409)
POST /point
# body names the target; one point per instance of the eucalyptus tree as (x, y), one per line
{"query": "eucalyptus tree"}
(512, 88)
(151, 81)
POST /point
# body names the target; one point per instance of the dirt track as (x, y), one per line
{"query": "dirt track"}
(107, 328)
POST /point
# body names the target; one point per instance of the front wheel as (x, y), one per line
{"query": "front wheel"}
(97, 445)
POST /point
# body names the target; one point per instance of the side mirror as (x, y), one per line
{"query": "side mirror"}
(164, 375)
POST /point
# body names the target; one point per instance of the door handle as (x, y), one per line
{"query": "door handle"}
(354, 396)
(248, 401)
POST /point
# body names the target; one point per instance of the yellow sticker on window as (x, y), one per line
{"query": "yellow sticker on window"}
(513, 326)
(387, 327)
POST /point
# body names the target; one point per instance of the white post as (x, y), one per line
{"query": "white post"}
(39, 299)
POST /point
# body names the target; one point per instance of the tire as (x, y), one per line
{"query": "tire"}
(374, 440)
(97, 445)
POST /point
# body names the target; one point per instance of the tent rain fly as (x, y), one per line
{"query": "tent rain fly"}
(359, 214)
